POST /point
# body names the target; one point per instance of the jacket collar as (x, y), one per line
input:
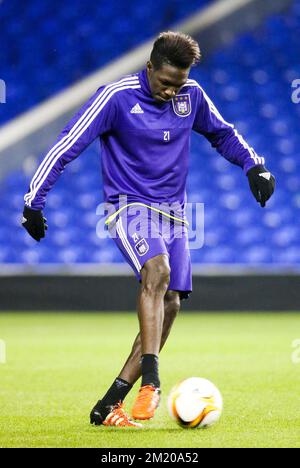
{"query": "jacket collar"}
(145, 83)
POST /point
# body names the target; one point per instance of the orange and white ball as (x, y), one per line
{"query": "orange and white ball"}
(195, 402)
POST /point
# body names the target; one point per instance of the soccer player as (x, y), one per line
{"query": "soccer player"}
(144, 122)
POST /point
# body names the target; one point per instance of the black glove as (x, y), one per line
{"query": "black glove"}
(262, 184)
(34, 223)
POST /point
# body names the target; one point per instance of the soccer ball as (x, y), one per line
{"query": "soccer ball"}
(195, 402)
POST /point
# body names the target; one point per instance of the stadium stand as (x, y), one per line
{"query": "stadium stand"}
(47, 51)
(250, 82)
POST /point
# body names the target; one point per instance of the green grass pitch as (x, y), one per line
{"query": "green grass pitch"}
(59, 364)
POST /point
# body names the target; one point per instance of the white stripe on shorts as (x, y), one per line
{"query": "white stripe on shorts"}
(126, 245)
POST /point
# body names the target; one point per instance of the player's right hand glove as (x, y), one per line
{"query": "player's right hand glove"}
(34, 223)
(262, 184)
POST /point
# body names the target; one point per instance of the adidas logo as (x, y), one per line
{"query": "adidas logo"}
(266, 175)
(136, 109)
(120, 383)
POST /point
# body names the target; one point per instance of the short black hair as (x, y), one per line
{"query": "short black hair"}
(175, 48)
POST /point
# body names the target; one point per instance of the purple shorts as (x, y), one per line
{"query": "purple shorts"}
(144, 235)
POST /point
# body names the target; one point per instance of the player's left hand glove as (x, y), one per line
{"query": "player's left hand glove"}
(34, 223)
(262, 184)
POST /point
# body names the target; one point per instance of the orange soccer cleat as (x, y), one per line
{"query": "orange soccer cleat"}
(119, 418)
(146, 403)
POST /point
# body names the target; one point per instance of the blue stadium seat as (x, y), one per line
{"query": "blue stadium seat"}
(52, 45)
(249, 81)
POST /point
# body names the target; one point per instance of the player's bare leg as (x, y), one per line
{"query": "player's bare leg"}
(155, 281)
(149, 394)
(131, 371)
(132, 368)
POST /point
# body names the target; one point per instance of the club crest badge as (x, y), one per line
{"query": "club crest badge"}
(182, 105)
(142, 247)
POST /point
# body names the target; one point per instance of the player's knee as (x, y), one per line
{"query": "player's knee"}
(163, 275)
(158, 282)
(156, 275)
